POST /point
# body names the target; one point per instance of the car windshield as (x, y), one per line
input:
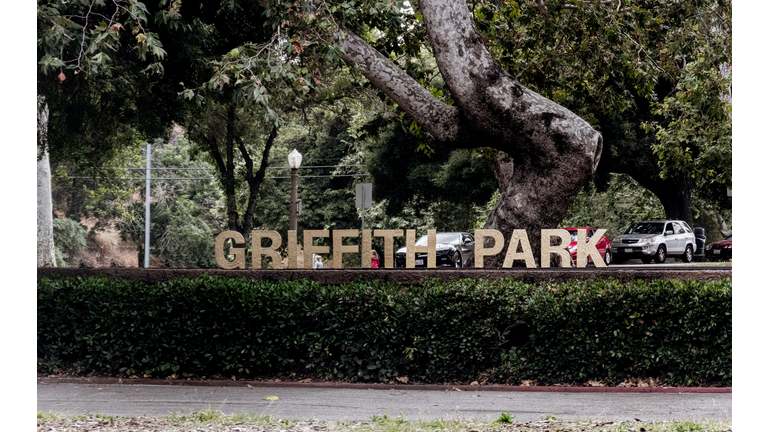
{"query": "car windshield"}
(574, 235)
(454, 238)
(645, 228)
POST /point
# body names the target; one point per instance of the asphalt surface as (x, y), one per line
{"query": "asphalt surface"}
(362, 404)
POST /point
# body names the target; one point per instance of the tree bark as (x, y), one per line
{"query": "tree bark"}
(553, 150)
(46, 256)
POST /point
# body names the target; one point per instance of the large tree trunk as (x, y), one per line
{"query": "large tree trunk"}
(553, 150)
(675, 196)
(45, 250)
(674, 193)
(638, 161)
(633, 155)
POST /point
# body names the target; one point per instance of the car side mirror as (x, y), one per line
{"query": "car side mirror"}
(467, 241)
(669, 232)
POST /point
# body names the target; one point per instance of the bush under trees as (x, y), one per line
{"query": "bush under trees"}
(504, 331)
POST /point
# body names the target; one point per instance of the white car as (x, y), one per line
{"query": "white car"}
(655, 240)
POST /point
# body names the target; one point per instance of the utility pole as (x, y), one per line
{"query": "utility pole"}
(363, 198)
(146, 210)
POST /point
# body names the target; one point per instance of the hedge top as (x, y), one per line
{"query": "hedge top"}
(404, 276)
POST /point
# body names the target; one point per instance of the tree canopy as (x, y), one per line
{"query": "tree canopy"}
(639, 87)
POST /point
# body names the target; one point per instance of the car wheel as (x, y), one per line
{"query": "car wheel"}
(607, 258)
(457, 260)
(661, 255)
(688, 255)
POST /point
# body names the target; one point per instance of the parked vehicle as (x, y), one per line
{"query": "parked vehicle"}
(655, 240)
(603, 245)
(721, 250)
(456, 249)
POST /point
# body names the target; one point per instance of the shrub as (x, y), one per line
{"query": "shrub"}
(68, 240)
(508, 331)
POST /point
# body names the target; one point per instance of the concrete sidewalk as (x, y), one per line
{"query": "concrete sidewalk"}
(362, 404)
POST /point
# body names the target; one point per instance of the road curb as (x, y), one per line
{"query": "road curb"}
(375, 386)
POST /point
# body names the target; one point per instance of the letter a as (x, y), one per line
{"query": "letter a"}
(521, 237)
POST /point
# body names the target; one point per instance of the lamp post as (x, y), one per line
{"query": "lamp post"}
(294, 161)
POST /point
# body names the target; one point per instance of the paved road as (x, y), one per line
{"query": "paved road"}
(359, 404)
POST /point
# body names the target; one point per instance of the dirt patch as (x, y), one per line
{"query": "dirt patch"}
(105, 248)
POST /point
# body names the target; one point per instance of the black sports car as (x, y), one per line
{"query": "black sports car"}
(456, 249)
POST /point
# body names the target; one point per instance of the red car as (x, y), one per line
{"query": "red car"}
(721, 250)
(603, 245)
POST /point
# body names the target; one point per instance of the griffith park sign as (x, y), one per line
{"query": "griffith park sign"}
(519, 241)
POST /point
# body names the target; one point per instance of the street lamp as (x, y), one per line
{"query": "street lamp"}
(294, 161)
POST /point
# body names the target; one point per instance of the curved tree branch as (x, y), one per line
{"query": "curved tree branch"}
(443, 121)
(521, 121)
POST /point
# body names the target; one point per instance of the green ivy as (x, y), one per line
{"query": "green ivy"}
(508, 331)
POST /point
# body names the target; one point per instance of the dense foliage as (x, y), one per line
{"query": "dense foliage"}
(506, 331)
(624, 201)
(185, 215)
(69, 238)
(652, 75)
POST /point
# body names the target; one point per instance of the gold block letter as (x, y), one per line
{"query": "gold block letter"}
(309, 248)
(365, 248)
(239, 253)
(293, 250)
(431, 248)
(561, 249)
(586, 248)
(521, 237)
(480, 249)
(271, 251)
(339, 248)
(389, 249)
(411, 249)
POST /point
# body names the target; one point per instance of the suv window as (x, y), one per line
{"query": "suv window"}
(668, 228)
(687, 228)
(645, 228)
(678, 228)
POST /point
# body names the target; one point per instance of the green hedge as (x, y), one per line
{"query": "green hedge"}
(507, 331)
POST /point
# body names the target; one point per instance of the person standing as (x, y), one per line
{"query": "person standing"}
(318, 264)
(374, 259)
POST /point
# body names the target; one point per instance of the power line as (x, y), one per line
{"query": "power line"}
(208, 169)
(331, 175)
(144, 178)
(170, 168)
(318, 166)
(213, 178)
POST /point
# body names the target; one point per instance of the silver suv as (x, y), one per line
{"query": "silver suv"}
(655, 240)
